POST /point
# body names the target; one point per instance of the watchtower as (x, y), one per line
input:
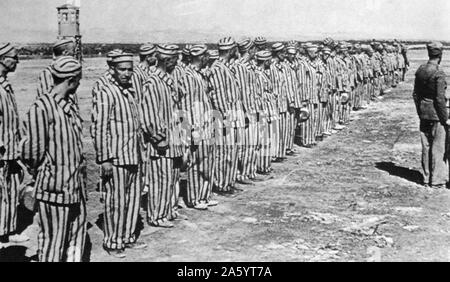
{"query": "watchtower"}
(69, 26)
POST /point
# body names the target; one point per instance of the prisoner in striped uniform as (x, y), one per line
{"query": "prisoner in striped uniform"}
(116, 134)
(197, 111)
(161, 128)
(330, 64)
(264, 92)
(53, 147)
(308, 128)
(10, 170)
(224, 96)
(279, 83)
(147, 57)
(64, 47)
(293, 88)
(246, 79)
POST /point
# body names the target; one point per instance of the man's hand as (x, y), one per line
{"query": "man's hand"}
(448, 122)
(107, 169)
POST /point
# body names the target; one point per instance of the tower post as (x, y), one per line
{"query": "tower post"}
(69, 27)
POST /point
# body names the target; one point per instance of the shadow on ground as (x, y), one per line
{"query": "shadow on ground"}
(403, 172)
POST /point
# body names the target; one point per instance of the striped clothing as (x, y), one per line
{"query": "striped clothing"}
(117, 139)
(62, 232)
(279, 84)
(46, 83)
(159, 115)
(115, 123)
(224, 93)
(196, 104)
(54, 144)
(201, 153)
(10, 171)
(9, 121)
(160, 121)
(225, 98)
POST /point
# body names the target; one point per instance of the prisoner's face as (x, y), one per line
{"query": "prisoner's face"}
(122, 72)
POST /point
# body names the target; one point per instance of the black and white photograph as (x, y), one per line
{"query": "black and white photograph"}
(195, 131)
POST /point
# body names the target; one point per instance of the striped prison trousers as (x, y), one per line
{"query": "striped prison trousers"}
(247, 157)
(62, 231)
(264, 156)
(284, 135)
(9, 199)
(226, 159)
(200, 173)
(292, 126)
(275, 138)
(162, 177)
(122, 204)
(332, 111)
(307, 128)
(321, 119)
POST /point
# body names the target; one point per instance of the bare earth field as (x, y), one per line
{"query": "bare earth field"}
(355, 197)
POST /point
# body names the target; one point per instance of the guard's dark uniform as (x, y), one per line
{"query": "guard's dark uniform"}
(429, 96)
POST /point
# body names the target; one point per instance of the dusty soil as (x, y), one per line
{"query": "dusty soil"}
(355, 197)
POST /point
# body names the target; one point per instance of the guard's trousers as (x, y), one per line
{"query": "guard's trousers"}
(62, 231)
(433, 137)
(122, 203)
(9, 199)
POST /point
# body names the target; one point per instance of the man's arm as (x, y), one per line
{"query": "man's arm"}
(34, 143)
(441, 102)
(100, 132)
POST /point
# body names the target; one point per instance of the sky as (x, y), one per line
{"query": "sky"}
(126, 21)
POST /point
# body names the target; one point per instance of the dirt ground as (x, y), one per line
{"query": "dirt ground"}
(354, 197)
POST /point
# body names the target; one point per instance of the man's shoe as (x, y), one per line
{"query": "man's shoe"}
(290, 153)
(212, 203)
(201, 206)
(120, 254)
(244, 182)
(18, 238)
(236, 189)
(164, 224)
(136, 245)
(258, 179)
(439, 186)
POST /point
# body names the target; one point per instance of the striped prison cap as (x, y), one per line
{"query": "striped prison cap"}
(260, 41)
(65, 67)
(186, 50)
(311, 46)
(112, 54)
(326, 50)
(6, 48)
(168, 49)
(263, 55)
(226, 43)
(291, 50)
(147, 49)
(213, 54)
(292, 43)
(198, 50)
(276, 47)
(63, 42)
(122, 58)
(245, 45)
